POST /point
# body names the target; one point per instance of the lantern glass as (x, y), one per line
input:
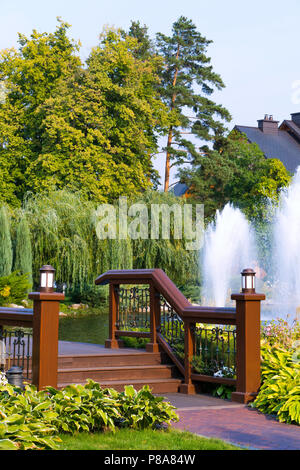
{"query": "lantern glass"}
(50, 280)
(248, 280)
(43, 280)
(47, 278)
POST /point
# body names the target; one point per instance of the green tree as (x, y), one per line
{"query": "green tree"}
(145, 47)
(187, 82)
(236, 171)
(92, 128)
(103, 147)
(30, 75)
(23, 252)
(5, 243)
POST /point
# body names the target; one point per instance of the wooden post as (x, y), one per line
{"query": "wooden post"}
(45, 338)
(154, 319)
(189, 346)
(113, 342)
(247, 346)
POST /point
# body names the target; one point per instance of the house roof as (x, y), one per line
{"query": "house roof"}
(282, 145)
(179, 189)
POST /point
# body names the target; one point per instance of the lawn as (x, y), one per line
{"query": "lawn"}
(128, 439)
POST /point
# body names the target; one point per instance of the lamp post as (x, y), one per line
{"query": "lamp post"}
(247, 339)
(15, 377)
(45, 330)
(248, 281)
(47, 278)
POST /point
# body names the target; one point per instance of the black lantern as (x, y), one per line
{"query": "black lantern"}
(248, 281)
(47, 278)
(15, 376)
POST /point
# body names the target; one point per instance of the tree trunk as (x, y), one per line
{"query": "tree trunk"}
(167, 167)
(170, 134)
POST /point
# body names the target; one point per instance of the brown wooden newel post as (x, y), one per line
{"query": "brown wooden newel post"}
(154, 319)
(189, 347)
(247, 346)
(45, 338)
(113, 342)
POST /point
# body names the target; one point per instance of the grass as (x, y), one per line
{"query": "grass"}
(128, 439)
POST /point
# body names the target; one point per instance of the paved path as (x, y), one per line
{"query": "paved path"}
(232, 422)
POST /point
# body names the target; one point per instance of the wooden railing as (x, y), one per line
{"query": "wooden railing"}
(43, 320)
(228, 353)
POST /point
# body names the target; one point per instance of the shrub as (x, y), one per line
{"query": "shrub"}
(31, 419)
(280, 390)
(13, 288)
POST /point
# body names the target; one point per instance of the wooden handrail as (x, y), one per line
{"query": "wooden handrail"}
(171, 293)
(16, 317)
(246, 318)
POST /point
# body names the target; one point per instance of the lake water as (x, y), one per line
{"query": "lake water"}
(85, 329)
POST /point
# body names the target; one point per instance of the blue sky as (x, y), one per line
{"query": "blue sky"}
(255, 49)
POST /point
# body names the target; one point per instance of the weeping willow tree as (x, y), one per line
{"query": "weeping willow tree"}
(6, 254)
(63, 233)
(23, 252)
(170, 254)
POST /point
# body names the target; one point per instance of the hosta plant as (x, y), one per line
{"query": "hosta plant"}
(32, 419)
(280, 390)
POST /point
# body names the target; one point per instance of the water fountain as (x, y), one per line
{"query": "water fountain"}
(286, 250)
(228, 248)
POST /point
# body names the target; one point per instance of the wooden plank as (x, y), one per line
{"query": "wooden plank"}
(209, 378)
(16, 317)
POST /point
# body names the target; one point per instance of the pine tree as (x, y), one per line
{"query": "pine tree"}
(145, 48)
(5, 244)
(187, 81)
(23, 254)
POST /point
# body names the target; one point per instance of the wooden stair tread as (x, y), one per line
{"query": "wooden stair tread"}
(131, 382)
(116, 368)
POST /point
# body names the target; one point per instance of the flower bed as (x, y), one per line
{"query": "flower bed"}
(33, 420)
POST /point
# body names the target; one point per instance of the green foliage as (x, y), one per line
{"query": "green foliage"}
(23, 253)
(223, 391)
(5, 243)
(280, 390)
(14, 288)
(135, 342)
(236, 171)
(148, 439)
(63, 233)
(169, 254)
(31, 75)
(280, 333)
(89, 127)
(33, 419)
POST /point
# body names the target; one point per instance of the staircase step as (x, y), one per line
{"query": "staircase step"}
(116, 373)
(105, 360)
(156, 385)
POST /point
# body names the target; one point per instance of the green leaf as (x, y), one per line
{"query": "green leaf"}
(7, 444)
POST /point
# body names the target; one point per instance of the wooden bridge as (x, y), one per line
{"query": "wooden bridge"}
(186, 344)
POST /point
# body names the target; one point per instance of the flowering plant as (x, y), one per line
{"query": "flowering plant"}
(280, 333)
(225, 372)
